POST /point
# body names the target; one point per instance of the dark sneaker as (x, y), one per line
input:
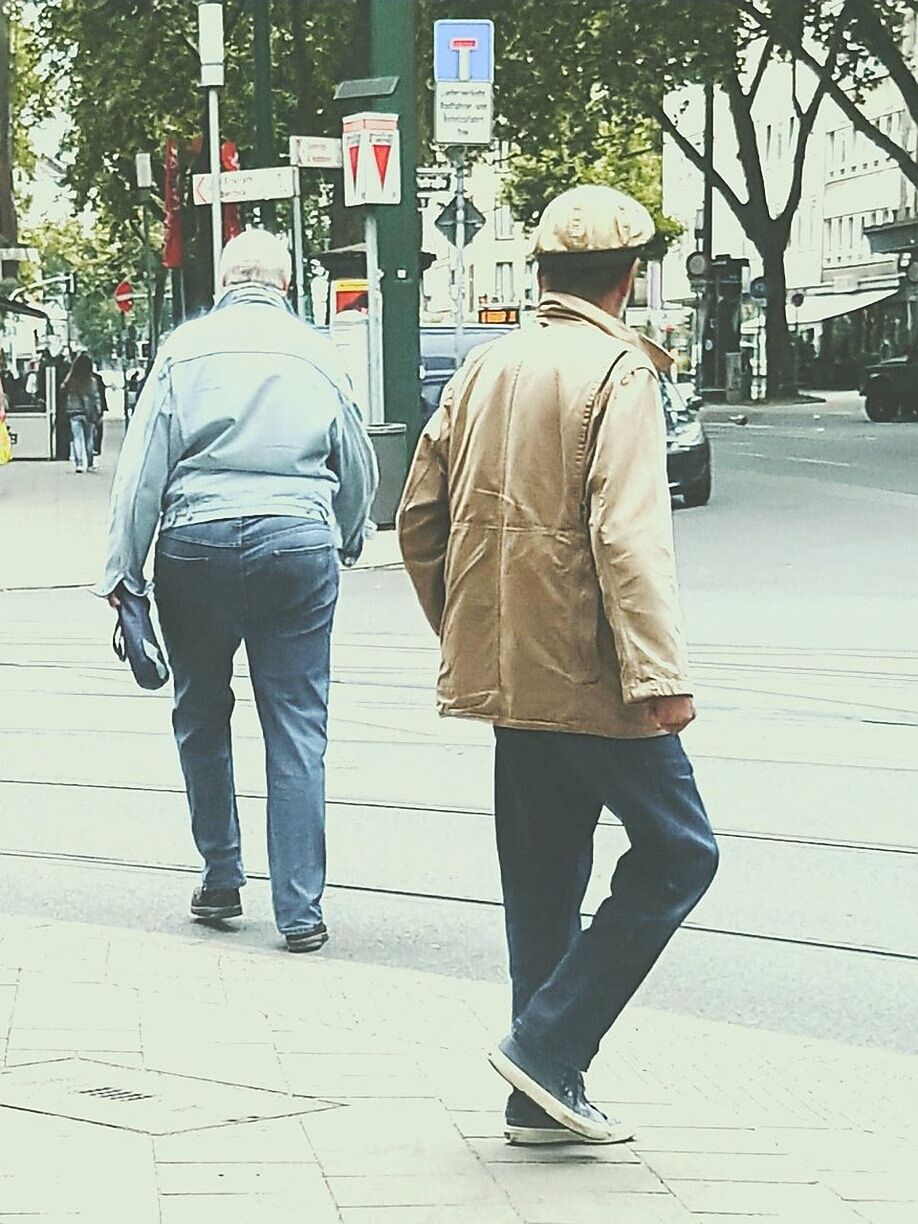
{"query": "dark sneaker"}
(308, 941)
(526, 1124)
(215, 904)
(556, 1089)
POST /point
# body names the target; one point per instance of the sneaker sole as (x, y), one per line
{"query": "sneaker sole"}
(533, 1136)
(313, 944)
(517, 1078)
(215, 913)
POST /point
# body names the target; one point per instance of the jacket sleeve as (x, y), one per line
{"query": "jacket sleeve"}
(143, 474)
(423, 517)
(630, 523)
(354, 461)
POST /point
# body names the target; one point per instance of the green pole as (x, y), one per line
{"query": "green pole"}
(263, 103)
(392, 53)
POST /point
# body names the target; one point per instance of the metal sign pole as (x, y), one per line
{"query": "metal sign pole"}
(216, 212)
(374, 322)
(459, 295)
(298, 271)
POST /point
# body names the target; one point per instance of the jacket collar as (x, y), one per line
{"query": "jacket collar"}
(568, 308)
(251, 291)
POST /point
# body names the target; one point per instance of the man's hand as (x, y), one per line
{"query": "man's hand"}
(113, 600)
(671, 714)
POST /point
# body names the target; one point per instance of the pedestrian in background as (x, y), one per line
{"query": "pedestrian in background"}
(84, 411)
(247, 449)
(103, 409)
(536, 527)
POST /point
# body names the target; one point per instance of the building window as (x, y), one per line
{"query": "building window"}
(503, 283)
(503, 221)
(530, 287)
(830, 154)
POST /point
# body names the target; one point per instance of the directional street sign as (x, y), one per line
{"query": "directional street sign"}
(446, 222)
(432, 179)
(464, 51)
(316, 152)
(241, 186)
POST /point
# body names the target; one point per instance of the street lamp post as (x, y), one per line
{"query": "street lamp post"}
(144, 165)
(210, 46)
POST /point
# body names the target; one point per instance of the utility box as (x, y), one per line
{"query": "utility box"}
(390, 442)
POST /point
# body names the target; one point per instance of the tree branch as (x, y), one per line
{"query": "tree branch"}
(737, 206)
(879, 42)
(847, 105)
(764, 61)
(747, 143)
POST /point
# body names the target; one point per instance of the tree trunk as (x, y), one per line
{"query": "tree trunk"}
(778, 350)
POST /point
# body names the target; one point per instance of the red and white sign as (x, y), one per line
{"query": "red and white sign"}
(242, 186)
(372, 159)
(124, 296)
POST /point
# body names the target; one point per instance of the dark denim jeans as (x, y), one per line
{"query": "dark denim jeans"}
(569, 984)
(271, 583)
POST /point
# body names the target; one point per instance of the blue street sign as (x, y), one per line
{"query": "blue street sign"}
(464, 51)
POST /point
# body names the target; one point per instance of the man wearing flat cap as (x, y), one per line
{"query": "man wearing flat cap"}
(537, 530)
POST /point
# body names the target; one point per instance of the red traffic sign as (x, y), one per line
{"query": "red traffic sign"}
(124, 296)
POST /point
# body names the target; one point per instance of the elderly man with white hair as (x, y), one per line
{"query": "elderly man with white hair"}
(247, 452)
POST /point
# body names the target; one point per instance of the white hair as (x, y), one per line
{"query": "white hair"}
(255, 256)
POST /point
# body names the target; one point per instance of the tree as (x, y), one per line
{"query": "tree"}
(849, 47)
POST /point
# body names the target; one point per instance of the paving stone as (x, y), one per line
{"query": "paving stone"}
(380, 1125)
(554, 1182)
(238, 1178)
(886, 1213)
(355, 1076)
(704, 1139)
(416, 1191)
(87, 1041)
(49, 1002)
(394, 1159)
(319, 1208)
(253, 1066)
(762, 1198)
(479, 1124)
(720, 1166)
(498, 1151)
(280, 1140)
(421, 1215)
(874, 1187)
(606, 1209)
(203, 1023)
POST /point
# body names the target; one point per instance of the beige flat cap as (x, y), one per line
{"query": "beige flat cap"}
(592, 218)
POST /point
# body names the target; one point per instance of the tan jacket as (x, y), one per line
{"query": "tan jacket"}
(537, 530)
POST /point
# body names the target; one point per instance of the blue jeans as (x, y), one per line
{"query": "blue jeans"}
(569, 984)
(271, 583)
(82, 433)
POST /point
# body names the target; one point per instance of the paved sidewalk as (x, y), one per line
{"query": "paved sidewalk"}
(152, 1078)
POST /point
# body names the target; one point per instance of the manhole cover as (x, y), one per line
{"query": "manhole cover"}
(152, 1102)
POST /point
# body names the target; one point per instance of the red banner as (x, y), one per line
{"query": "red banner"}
(232, 215)
(173, 255)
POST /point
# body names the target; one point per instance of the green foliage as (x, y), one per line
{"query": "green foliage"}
(99, 257)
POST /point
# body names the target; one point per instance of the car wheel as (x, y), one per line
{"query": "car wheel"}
(698, 493)
(881, 403)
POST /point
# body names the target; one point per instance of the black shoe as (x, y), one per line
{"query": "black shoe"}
(215, 904)
(308, 941)
(556, 1089)
(526, 1124)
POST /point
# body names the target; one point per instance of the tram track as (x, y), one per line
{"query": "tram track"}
(94, 860)
(608, 822)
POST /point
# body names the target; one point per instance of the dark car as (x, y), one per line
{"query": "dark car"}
(688, 451)
(890, 388)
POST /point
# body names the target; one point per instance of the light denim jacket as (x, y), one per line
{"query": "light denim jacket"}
(247, 411)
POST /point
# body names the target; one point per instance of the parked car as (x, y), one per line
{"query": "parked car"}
(688, 450)
(890, 388)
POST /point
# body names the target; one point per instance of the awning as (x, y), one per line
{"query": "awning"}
(817, 308)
